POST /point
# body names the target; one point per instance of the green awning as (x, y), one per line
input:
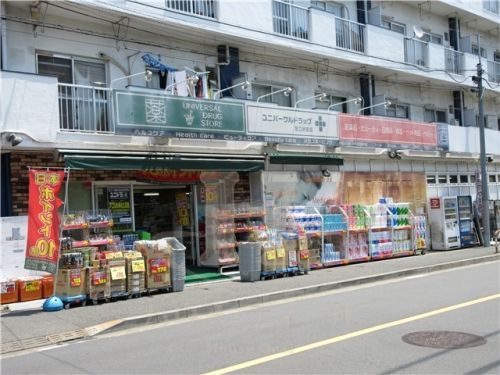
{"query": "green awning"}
(305, 158)
(111, 162)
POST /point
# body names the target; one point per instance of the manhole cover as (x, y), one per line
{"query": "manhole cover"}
(443, 339)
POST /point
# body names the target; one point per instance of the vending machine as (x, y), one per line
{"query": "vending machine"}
(465, 220)
(443, 222)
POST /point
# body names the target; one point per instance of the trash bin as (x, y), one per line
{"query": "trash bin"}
(250, 259)
(177, 264)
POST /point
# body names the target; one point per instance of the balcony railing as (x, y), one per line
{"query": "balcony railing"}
(290, 20)
(454, 61)
(84, 109)
(350, 35)
(205, 8)
(494, 71)
(416, 52)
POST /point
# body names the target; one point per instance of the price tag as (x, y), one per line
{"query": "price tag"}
(292, 258)
(280, 252)
(75, 279)
(8, 287)
(270, 255)
(109, 255)
(159, 265)
(138, 265)
(99, 278)
(32, 286)
(118, 273)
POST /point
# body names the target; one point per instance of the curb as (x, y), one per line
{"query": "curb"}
(171, 315)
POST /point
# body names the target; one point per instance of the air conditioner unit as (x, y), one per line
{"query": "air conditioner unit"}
(491, 122)
(469, 117)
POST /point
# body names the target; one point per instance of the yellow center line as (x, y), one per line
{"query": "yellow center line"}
(333, 340)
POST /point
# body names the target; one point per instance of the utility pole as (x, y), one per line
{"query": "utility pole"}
(482, 153)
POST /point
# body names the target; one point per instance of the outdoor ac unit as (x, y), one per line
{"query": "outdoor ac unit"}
(491, 122)
(469, 117)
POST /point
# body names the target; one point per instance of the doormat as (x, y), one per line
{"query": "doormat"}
(201, 274)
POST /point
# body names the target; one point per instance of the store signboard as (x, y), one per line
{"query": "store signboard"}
(287, 125)
(151, 115)
(386, 132)
(42, 244)
(169, 175)
(119, 204)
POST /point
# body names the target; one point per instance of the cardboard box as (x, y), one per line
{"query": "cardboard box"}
(30, 288)
(71, 283)
(280, 258)
(302, 243)
(290, 245)
(48, 286)
(158, 272)
(98, 283)
(268, 258)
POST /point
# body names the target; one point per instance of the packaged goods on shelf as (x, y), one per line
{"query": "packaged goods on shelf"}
(136, 271)
(9, 291)
(30, 288)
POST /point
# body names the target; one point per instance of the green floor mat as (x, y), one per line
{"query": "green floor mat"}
(200, 274)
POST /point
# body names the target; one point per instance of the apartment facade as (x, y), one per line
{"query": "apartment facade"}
(236, 98)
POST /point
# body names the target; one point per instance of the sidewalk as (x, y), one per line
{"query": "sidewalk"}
(27, 325)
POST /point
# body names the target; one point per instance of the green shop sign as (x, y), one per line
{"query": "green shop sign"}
(162, 116)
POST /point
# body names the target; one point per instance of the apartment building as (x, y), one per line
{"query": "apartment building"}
(231, 101)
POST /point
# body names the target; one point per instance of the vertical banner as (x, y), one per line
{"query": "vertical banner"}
(42, 245)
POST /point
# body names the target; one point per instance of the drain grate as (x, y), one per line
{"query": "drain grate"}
(66, 336)
(443, 339)
(15, 346)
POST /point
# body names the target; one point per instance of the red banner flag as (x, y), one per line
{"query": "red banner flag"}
(42, 246)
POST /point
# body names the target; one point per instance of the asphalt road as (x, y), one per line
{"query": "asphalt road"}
(356, 330)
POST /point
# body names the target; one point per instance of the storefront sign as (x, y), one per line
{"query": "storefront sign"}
(383, 131)
(279, 125)
(119, 204)
(161, 116)
(169, 175)
(42, 246)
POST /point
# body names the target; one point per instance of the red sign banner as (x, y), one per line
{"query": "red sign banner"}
(169, 175)
(42, 245)
(382, 130)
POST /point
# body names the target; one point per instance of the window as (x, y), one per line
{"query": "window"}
(431, 179)
(329, 100)
(432, 38)
(491, 5)
(492, 178)
(435, 115)
(464, 179)
(472, 178)
(397, 110)
(280, 99)
(83, 98)
(442, 179)
(475, 51)
(394, 26)
(453, 179)
(330, 7)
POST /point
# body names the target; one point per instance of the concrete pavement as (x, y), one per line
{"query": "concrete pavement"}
(28, 326)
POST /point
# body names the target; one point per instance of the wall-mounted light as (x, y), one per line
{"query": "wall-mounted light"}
(13, 139)
(147, 77)
(325, 173)
(244, 85)
(356, 101)
(286, 91)
(385, 104)
(321, 97)
(393, 154)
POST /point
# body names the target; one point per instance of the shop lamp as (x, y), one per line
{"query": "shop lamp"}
(244, 85)
(356, 101)
(147, 77)
(385, 104)
(319, 96)
(286, 91)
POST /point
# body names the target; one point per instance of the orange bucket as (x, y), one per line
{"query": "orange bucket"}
(48, 286)
(10, 293)
(30, 288)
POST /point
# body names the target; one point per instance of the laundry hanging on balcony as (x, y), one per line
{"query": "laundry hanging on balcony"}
(156, 64)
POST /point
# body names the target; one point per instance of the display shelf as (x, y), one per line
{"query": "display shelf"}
(227, 226)
(84, 229)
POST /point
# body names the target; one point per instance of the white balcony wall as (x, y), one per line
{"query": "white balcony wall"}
(435, 56)
(322, 27)
(30, 105)
(465, 139)
(384, 44)
(470, 64)
(253, 15)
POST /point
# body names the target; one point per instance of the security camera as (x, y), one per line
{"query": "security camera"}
(14, 139)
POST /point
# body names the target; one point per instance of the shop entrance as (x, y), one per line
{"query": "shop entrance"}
(166, 211)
